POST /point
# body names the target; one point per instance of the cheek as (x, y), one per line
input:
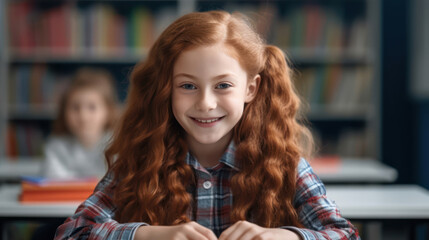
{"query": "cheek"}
(102, 113)
(71, 117)
(72, 122)
(179, 103)
(234, 104)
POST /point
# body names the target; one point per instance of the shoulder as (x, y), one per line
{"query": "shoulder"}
(107, 184)
(304, 168)
(308, 183)
(305, 172)
(105, 140)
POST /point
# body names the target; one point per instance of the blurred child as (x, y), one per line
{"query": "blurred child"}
(87, 113)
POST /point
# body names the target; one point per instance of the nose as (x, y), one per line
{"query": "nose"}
(85, 116)
(206, 102)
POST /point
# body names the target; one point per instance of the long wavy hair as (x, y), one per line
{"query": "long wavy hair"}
(147, 155)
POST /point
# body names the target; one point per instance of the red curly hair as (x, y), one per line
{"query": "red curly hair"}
(147, 156)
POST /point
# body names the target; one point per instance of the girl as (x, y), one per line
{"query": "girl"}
(87, 112)
(209, 146)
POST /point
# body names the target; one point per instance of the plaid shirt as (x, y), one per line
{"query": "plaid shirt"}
(94, 218)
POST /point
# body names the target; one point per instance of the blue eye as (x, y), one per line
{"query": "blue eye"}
(188, 86)
(223, 86)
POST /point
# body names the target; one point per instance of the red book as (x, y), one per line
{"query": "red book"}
(12, 148)
(20, 27)
(326, 164)
(63, 30)
(314, 22)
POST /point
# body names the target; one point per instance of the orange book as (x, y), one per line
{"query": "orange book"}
(71, 187)
(60, 196)
(326, 164)
(36, 189)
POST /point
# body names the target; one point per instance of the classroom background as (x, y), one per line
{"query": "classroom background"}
(361, 66)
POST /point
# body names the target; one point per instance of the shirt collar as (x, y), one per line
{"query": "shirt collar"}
(228, 158)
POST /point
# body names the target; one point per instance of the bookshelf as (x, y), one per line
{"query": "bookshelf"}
(3, 76)
(332, 45)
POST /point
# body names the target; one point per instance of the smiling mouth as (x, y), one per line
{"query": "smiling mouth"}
(210, 120)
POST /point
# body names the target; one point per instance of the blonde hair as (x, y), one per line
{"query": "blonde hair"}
(96, 79)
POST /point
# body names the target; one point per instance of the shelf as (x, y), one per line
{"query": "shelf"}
(337, 114)
(297, 55)
(33, 112)
(330, 45)
(327, 56)
(355, 170)
(329, 113)
(43, 57)
(13, 169)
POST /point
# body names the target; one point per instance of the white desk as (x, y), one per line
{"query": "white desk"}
(349, 171)
(381, 202)
(377, 203)
(355, 202)
(10, 207)
(358, 171)
(13, 170)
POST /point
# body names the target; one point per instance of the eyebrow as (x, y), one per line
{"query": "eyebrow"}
(195, 78)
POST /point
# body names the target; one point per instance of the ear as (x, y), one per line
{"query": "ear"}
(252, 88)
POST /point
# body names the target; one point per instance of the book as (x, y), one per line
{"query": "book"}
(60, 196)
(40, 189)
(67, 30)
(326, 164)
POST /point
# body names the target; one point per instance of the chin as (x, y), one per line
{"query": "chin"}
(208, 140)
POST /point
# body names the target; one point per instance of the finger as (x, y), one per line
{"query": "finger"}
(263, 235)
(195, 235)
(191, 233)
(208, 233)
(224, 235)
(250, 233)
(235, 230)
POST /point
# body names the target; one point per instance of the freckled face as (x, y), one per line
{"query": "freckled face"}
(210, 89)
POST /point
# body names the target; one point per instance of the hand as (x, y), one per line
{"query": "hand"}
(243, 230)
(186, 231)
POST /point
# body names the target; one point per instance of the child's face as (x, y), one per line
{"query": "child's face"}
(210, 89)
(86, 114)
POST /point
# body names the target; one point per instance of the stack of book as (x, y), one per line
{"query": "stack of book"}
(38, 190)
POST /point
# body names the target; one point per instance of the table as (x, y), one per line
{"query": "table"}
(381, 201)
(354, 201)
(375, 206)
(13, 170)
(10, 207)
(353, 170)
(350, 170)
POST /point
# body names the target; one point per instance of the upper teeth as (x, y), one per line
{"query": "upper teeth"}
(207, 121)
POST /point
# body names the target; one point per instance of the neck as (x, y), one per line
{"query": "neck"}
(208, 155)
(89, 142)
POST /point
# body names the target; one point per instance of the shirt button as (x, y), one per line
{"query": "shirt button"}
(207, 184)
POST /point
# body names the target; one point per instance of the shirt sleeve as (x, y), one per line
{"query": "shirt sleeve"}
(94, 218)
(319, 215)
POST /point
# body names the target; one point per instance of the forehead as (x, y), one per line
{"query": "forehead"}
(214, 59)
(84, 94)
